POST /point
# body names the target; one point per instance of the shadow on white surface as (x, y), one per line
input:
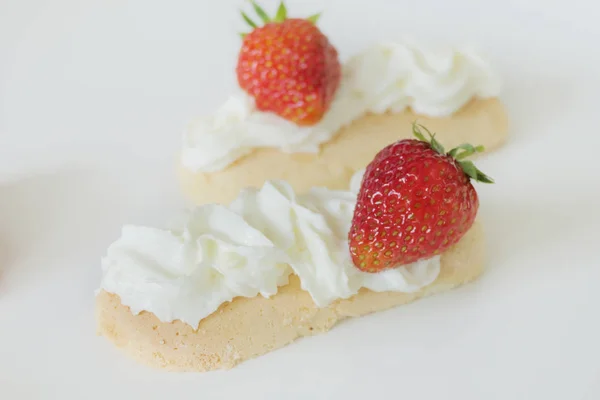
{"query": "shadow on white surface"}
(6, 260)
(531, 102)
(34, 213)
(47, 219)
(517, 228)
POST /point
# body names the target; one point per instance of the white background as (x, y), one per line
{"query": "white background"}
(93, 98)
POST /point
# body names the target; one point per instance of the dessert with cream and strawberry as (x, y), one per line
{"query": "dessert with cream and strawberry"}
(303, 116)
(228, 283)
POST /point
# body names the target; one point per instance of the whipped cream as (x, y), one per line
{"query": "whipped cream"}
(216, 253)
(388, 77)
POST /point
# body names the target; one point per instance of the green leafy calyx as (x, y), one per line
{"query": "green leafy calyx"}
(459, 153)
(280, 16)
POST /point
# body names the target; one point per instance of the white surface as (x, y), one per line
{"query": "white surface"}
(93, 97)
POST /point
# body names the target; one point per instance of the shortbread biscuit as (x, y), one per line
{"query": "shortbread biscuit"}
(249, 327)
(480, 122)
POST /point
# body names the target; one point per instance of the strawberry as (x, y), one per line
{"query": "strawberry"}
(415, 202)
(288, 66)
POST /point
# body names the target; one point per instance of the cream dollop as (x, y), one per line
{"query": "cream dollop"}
(388, 77)
(216, 253)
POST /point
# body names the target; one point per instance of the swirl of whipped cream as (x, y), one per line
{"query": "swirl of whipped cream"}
(187, 272)
(218, 253)
(388, 77)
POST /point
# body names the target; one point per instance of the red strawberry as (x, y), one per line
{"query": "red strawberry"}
(289, 67)
(415, 202)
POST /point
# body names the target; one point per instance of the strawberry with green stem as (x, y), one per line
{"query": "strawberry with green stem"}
(288, 66)
(416, 201)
